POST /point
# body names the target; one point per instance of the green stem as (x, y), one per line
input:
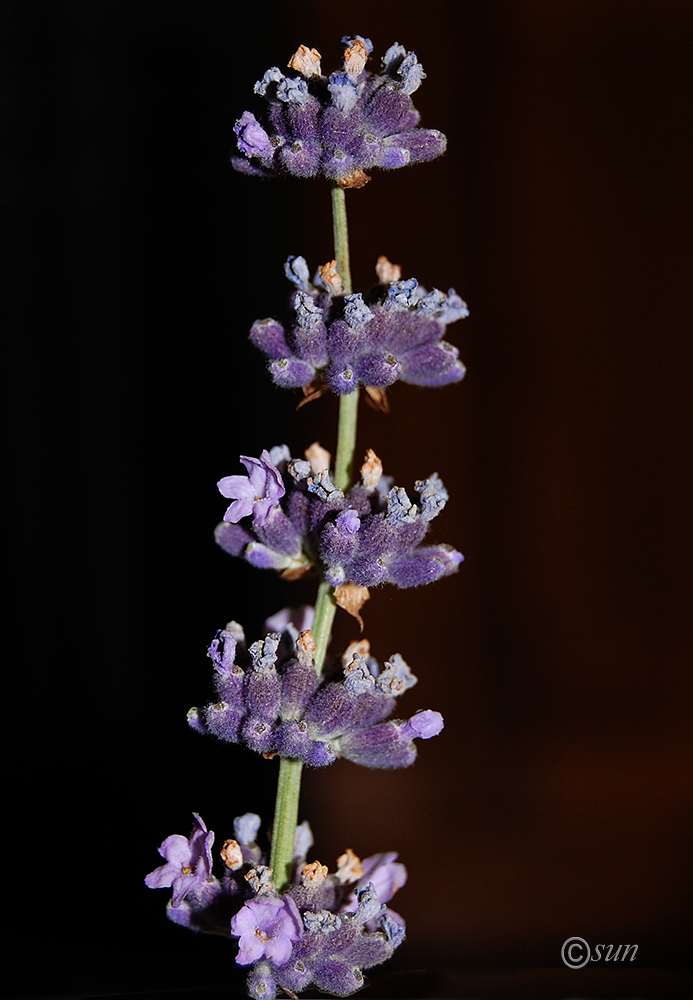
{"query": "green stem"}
(341, 237)
(285, 820)
(346, 439)
(289, 783)
(348, 405)
(325, 607)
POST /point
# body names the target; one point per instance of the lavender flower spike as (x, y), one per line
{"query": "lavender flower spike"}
(267, 927)
(257, 494)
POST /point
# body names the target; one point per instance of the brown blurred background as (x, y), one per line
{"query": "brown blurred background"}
(557, 802)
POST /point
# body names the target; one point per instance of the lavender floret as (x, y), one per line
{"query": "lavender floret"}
(390, 744)
(257, 494)
(267, 928)
(253, 141)
(188, 865)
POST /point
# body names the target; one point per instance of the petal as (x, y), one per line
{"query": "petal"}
(176, 850)
(161, 878)
(279, 949)
(237, 510)
(236, 487)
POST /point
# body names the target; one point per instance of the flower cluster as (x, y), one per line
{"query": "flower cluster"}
(281, 706)
(323, 931)
(337, 126)
(369, 536)
(393, 333)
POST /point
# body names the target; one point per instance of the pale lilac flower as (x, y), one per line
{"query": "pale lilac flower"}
(252, 138)
(257, 494)
(188, 863)
(245, 831)
(385, 872)
(267, 927)
(291, 620)
(245, 828)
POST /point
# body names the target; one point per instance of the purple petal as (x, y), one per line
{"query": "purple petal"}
(238, 510)
(426, 724)
(236, 488)
(176, 850)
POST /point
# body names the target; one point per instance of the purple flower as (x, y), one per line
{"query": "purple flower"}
(257, 494)
(188, 863)
(393, 333)
(252, 138)
(386, 874)
(267, 927)
(291, 620)
(338, 126)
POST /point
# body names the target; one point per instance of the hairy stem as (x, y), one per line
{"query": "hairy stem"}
(348, 405)
(341, 237)
(346, 439)
(285, 820)
(325, 607)
(289, 784)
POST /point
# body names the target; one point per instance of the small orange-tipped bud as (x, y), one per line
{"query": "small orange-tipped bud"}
(361, 647)
(371, 470)
(356, 57)
(306, 647)
(232, 855)
(387, 272)
(306, 61)
(349, 867)
(330, 277)
(318, 457)
(313, 874)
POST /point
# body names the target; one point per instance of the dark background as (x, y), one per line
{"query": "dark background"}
(557, 802)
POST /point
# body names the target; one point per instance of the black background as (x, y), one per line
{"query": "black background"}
(557, 802)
